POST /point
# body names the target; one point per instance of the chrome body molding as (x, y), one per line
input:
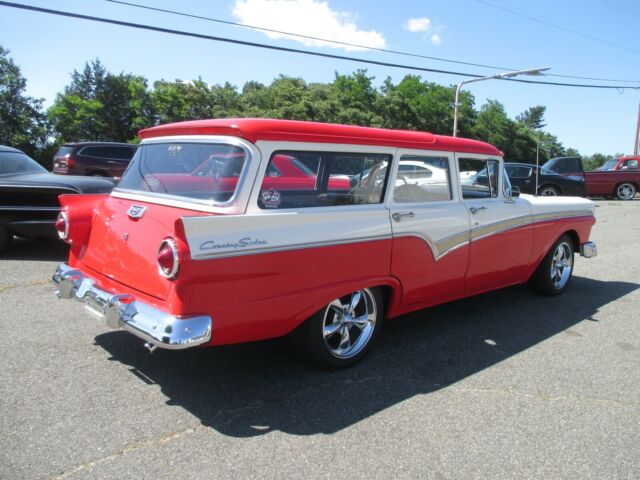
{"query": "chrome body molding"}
(301, 246)
(152, 325)
(589, 250)
(439, 248)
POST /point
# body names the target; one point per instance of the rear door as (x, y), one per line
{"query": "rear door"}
(430, 226)
(501, 237)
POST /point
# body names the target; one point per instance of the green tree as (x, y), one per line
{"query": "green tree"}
(427, 106)
(533, 117)
(23, 124)
(98, 105)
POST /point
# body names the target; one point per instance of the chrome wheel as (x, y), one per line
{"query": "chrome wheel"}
(349, 323)
(561, 265)
(626, 191)
(548, 192)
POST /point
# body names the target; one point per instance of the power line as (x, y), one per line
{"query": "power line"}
(355, 45)
(559, 27)
(290, 50)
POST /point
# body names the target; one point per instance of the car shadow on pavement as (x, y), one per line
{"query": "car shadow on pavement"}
(44, 250)
(252, 389)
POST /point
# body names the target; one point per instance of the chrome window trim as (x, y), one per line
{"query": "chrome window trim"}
(237, 202)
(420, 153)
(268, 147)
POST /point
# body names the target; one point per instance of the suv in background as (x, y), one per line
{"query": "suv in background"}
(98, 159)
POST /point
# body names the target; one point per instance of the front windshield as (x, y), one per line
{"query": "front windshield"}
(202, 172)
(609, 164)
(15, 163)
(546, 171)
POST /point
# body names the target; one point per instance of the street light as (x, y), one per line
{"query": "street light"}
(532, 71)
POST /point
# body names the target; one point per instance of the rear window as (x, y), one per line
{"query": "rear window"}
(206, 173)
(297, 179)
(64, 150)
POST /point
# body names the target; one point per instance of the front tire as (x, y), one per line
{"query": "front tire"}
(554, 272)
(342, 332)
(626, 191)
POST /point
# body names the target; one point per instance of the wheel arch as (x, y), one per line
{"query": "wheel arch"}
(632, 182)
(389, 287)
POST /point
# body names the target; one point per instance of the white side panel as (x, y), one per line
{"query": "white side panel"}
(232, 235)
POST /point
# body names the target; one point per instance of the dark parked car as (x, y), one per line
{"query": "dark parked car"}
(29, 202)
(550, 183)
(98, 159)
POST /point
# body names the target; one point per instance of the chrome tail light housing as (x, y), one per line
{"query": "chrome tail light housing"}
(168, 258)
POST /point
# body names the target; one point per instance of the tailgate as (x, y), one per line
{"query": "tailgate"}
(125, 249)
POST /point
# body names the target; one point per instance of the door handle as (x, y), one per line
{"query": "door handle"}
(398, 216)
(475, 210)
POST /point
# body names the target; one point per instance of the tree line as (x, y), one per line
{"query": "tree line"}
(101, 105)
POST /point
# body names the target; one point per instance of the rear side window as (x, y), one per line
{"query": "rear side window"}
(207, 173)
(64, 150)
(422, 179)
(119, 153)
(518, 172)
(297, 179)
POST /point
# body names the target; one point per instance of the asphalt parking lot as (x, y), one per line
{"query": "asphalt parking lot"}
(504, 385)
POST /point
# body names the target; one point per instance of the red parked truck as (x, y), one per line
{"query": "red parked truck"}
(618, 177)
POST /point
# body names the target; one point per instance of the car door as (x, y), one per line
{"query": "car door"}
(501, 237)
(430, 226)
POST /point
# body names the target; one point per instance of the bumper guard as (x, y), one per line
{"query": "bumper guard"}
(588, 250)
(157, 328)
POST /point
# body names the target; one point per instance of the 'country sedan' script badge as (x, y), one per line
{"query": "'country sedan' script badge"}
(136, 211)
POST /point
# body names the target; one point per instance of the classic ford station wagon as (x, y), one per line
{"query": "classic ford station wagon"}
(227, 231)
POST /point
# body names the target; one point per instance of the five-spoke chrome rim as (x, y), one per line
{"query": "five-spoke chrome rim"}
(561, 265)
(548, 192)
(626, 191)
(349, 323)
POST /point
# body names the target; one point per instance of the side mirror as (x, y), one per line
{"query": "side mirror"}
(515, 192)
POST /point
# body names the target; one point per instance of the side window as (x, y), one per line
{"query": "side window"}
(422, 179)
(296, 179)
(478, 178)
(630, 165)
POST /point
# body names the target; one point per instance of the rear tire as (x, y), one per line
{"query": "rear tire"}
(342, 332)
(548, 191)
(554, 272)
(626, 191)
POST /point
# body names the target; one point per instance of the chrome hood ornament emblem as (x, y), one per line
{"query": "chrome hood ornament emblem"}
(136, 211)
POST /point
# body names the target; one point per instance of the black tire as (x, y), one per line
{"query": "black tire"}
(548, 191)
(312, 342)
(626, 191)
(6, 238)
(551, 277)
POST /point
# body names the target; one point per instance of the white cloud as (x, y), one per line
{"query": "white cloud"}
(306, 17)
(418, 25)
(435, 39)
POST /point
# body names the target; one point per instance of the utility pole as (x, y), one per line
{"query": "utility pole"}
(636, 145)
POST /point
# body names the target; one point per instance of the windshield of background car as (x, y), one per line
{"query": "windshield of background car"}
(12, 163)
(609, 164)
(200, 172)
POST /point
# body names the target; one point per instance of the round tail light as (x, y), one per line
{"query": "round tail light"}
(62, 225)
(168, 258)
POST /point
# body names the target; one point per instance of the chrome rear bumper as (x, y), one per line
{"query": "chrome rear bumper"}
(588, 250)
(157, 328)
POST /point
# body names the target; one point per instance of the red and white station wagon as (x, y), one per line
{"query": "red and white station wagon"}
(228, 231)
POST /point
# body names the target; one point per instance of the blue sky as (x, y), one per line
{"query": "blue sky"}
(48, 48)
